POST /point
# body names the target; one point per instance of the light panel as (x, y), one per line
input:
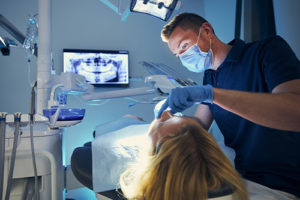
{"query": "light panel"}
(158, 8)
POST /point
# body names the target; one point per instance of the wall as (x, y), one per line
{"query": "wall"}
(286, 20)
(221, 15)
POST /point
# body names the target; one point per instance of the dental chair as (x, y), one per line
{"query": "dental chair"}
(81, 164)
(81, 159)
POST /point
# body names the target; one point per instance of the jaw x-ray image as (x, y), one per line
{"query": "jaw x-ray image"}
(101, 67)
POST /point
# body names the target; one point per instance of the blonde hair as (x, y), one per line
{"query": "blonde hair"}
(183, 167)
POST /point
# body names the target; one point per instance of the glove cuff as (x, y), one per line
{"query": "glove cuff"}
(208, 92)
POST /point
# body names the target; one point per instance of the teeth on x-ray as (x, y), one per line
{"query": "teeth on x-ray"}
(99, 68)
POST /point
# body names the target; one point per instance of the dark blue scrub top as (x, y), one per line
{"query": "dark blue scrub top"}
(268, 156)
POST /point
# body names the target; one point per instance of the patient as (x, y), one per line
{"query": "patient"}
(206, 171)
(185, 163)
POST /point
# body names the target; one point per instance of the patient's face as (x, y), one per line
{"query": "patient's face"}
(167, 125)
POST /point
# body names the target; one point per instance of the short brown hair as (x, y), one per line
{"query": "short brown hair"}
(185, 21)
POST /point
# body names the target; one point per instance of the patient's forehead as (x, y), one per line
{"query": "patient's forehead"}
(171, 127)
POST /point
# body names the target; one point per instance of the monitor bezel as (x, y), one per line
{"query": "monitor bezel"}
(106, 84)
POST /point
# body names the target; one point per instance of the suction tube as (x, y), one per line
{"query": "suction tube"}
(2, 150)
(17, 117)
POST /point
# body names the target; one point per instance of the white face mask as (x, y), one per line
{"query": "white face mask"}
(196, 60)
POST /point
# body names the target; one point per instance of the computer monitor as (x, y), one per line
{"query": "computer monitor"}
(99, 67)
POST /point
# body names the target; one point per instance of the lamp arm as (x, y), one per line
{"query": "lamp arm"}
(11, 29)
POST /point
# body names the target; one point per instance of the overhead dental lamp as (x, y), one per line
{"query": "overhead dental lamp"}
(158, 8)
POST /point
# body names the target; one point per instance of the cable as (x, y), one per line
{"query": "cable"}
(31, 122)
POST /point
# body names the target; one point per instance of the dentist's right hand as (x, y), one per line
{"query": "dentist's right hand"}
(181, 98)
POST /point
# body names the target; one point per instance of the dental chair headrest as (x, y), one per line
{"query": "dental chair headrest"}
(224, 193)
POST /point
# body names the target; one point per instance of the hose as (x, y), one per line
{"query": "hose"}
(2, 150)
(36, 186)
(24, 195)
(31, 114)
(17, 117)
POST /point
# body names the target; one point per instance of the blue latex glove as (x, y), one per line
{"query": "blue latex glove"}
(181, 98)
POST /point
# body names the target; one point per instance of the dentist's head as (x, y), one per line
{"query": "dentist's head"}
(191, 38)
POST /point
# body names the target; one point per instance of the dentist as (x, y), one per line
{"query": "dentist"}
(251, 90)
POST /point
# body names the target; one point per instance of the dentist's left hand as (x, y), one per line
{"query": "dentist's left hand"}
(181, 98)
